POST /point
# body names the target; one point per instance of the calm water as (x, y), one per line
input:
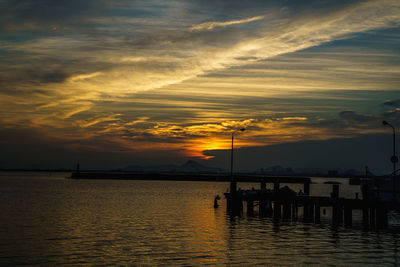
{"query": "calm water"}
(48, 220)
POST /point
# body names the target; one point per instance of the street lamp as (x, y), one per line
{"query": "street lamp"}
(233, 182)
(393, 159)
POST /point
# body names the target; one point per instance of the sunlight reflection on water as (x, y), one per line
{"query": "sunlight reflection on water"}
(49, 220)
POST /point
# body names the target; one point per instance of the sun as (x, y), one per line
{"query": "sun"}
(196, 148)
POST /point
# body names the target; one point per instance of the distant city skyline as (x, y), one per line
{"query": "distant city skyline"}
(117, 83)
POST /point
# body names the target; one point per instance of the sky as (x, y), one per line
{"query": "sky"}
(117, 82)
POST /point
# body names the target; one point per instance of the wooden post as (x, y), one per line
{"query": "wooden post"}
(233, 186)
(365, 215)
(229, 203)
(286, 210)
(335, 191)
(365, 204)
(276, 188)
(306, 211)
(277, 209)
(234, 204)
(317, 213)
(277, 203)
(379, 217)
(294, 207)
(311, 213)
(307, 189)
(263, 185)
(372, 213)
(337, 214)
(262, 207)
(383, 217)
(348, 215)
(336, 208)
(250, 208)
(269, 210)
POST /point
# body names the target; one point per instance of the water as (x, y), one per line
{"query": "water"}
(49, 220)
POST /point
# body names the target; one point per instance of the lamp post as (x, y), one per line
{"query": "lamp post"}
(393, 159)
(233, 182)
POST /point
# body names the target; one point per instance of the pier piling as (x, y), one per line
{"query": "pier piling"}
(311, 213)
(286, 210)
(348, 216)
(372, 213)
(294, 211)
(283, 203)
(250, 208)
(317, 213)
(307, 188)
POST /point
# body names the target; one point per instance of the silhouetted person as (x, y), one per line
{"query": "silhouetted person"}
(216, 201)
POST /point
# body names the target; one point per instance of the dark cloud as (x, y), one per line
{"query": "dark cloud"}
(47, 77)
(354, 116)
(20, 81)
(41, 13)
(344, 153)
(48, 14)
(246, 58)
(393, 115)
(83, 16)
(228, 9)
(391, 111)
(30, 148)
(391, 103)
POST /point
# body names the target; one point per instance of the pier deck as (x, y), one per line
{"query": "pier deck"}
(283, 203)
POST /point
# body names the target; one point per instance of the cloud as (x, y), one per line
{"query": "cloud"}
(353, 116)
(98, 120)
(54, 16)
(371, 150)
(73, 112)
(135, 73)
(392, 103)
(32, 148)
(393, 115)
(213, 24)
(193, 54)
(79, 77)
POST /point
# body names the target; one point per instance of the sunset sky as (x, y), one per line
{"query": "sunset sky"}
(116, 83)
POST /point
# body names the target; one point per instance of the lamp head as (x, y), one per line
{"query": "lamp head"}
(243, 129)
(385, 123)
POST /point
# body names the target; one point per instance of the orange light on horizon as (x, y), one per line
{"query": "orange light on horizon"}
(196, 148)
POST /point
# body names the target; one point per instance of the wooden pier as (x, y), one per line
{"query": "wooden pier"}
(282, 203)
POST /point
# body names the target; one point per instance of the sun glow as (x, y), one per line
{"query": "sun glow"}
(196, 148)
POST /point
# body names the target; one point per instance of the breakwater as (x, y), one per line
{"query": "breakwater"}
(187, 177)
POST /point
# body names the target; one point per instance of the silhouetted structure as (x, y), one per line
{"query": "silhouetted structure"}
(283, 203)
(394, 159)
(217, 197)
(233, 181)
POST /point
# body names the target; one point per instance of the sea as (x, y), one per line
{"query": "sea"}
(48, 220)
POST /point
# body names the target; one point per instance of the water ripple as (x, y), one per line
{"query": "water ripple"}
(94, 222)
